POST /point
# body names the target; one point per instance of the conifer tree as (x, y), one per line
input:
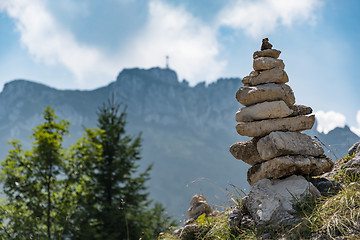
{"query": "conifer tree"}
(92, 191)
(117, 205)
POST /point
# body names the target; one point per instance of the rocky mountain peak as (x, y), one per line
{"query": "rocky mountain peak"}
(23, 86)
(23, 91)
(156, 74)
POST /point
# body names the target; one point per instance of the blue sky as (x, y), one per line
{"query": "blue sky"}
(84, 44)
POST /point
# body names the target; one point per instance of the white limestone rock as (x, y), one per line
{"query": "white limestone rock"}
(264, 110)
(264, 127)
(250, 95)
(274, 75)
(265, 63)
(272, 201)
(288, 143)
(288, 165)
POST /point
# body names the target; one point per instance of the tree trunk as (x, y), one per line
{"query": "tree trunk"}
(49, 203)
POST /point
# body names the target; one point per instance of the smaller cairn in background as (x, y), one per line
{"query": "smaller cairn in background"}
(198, 206)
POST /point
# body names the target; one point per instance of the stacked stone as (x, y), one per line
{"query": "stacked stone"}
(270, 116)
(198, 206)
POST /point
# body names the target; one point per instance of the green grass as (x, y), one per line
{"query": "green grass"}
(339, 215)
(342, 175)
(215, 228)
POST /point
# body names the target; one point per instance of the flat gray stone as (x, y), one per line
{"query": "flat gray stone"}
(274, 75)
(265, 63)
(264, 127)
(264, 110)
(267, 53)
(250, 95)
(288, 143)
(246, 151)
(289, 165)
(300, 110)
(272, 201)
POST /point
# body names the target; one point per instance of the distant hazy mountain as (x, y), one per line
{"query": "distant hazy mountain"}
(337, 142)
(186, 130)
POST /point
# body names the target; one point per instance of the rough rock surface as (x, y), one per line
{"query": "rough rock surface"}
(250, 95)
(288, 143)
(353, 162)
(234, 218)
(240, 218)
(266, 63)
(198, 206)
(326, 187)
(275, 75)
(300, 110)
(246, 151)
(271, 201)
(267, 53)
(352, 167)
(264, 127)
(354, 149)
(265, 44)
(289, 165)
(264, 110)
(188, 232)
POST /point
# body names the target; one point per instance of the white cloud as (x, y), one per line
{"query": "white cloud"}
(48, 42)
(191, 44)
(327, 121)
(169, 30)
(260, 17)
(356, 130)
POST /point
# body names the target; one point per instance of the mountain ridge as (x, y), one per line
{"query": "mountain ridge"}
(186, 130)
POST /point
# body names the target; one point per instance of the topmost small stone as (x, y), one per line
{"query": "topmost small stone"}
(265, 44)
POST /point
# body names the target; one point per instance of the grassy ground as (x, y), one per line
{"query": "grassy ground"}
(335, 217)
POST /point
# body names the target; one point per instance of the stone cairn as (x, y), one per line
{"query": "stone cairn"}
(277, 148)
(198, 206)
